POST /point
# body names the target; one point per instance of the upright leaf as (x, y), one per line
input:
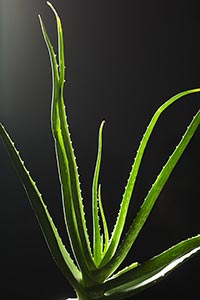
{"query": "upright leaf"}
(56, 247)
(71, 193)
(104, 221)
(149, 202)
(95, 205)
(119, 226)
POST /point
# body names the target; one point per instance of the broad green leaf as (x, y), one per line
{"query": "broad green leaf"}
(57, 249)
(95, 206)
(149, 202)
(151, 271)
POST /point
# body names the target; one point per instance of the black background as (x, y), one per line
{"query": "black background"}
(124, 59)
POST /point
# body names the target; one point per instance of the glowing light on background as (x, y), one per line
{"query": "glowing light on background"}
(13, 33)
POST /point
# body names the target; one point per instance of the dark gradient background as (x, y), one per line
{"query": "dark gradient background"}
(124, 58)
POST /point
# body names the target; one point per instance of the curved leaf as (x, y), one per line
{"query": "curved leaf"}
(119, 226)
(149, 202)
(151, 271)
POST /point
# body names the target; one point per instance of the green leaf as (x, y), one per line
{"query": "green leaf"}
(56, 247)
(126, 269)
(112, 262)
(151, 271)
(60, 151)
(69, 178)
(95, 206)
(105, 226)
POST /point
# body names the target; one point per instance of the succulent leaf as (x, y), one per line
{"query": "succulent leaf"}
(151, 271)
(157, 187)
(95, 202)
(56, 247)
(68, 170)
(92, 274)
(104, 221)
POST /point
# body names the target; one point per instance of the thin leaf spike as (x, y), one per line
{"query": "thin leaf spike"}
(119, 226)
(61, 50)
(95, 204)
(104, 221)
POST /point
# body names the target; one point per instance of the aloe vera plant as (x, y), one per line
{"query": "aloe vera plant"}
(94, 271)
